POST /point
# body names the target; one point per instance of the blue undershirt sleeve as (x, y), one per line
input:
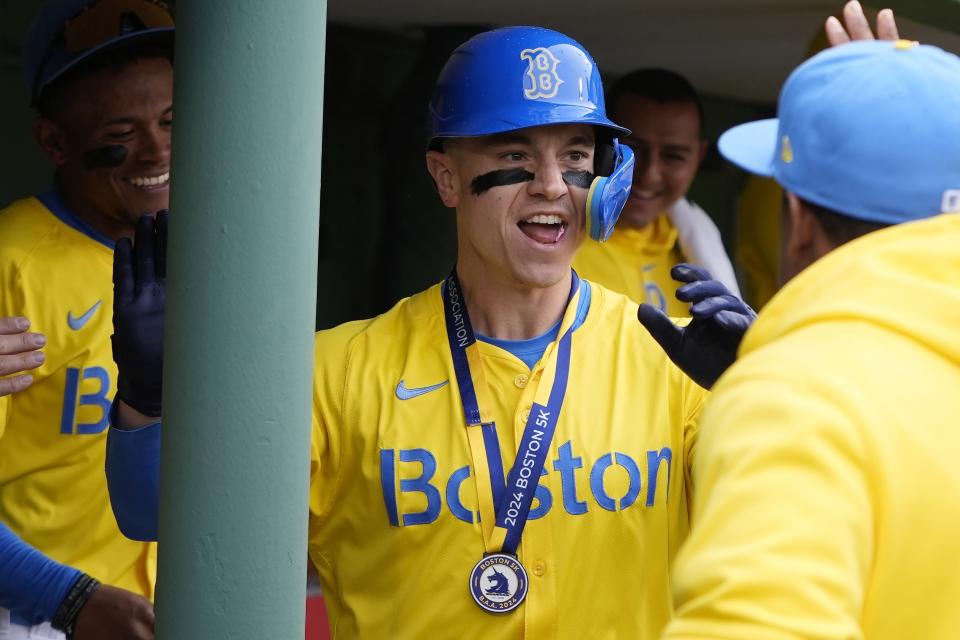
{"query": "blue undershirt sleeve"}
(133, 478)
(31, 585)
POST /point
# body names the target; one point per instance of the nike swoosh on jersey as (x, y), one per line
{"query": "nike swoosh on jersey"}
(77, 323)
(404, 393)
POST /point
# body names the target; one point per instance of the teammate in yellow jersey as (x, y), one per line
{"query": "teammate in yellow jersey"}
(828, 490)
(509, 441)
(101, 79)
(659, 227)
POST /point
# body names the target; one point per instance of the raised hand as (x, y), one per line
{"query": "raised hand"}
(706, 347)
(855, 26)
(18, 353)
(139, 273)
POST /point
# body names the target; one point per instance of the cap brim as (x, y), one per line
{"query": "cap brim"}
(751, 146)
(161, 35)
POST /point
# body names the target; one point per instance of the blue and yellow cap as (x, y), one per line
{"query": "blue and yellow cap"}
(868, 129)
(67, 32)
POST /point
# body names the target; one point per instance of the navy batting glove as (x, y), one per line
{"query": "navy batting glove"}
(139, 295)
(706, 347)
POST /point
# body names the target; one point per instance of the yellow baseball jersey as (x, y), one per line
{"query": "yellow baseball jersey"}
(758, 239)
(827, 497)
(53, 491)
(636, 263)
(394, 528)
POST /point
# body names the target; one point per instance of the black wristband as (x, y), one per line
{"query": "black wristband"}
(66, 616)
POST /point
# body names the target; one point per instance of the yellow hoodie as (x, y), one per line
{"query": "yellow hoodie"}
(827, 475)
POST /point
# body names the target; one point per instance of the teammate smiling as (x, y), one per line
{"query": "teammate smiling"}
(482, 446)
(101, 80)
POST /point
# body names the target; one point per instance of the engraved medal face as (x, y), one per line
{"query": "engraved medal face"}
(498, 583)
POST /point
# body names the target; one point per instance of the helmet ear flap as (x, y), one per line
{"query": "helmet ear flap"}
(609, 192)
(604, 155)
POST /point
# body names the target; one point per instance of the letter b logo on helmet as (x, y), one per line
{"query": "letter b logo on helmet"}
(542, 73)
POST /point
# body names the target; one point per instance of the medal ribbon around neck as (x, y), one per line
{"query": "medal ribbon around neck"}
(505, 506)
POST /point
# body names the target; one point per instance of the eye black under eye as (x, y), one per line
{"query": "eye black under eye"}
(580, 179)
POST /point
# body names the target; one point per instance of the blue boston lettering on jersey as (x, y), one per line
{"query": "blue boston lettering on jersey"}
(388, 480)
(596, 481)
(567, 464)
(71, 401)
(654, 458)
(420, 484)
(456, 507)
(542, 496)
(544, 500)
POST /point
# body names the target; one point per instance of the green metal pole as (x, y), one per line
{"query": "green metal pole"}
(240, 318)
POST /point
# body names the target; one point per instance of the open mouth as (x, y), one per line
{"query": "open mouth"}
(542, 228)
(150, 183)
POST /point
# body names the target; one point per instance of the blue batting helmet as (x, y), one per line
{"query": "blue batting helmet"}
(518, 77)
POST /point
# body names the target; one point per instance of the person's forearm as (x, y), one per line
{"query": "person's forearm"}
(31, 584)
(133, 474)
(128, 418)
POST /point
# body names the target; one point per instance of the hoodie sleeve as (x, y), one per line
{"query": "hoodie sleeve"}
(782, 532)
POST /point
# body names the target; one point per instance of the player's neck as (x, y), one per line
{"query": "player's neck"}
(510, 310)
(83, 209)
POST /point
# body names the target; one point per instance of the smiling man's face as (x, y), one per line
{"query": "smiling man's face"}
(109, 136)
(667, 144)
(520, 200)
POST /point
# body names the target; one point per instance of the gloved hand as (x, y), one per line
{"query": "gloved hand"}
(139, 287)
(707, 346)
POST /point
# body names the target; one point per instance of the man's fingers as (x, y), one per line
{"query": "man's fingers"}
(836, 34)
(733, 321)
(143, 251)
(21, 343)
(701, 290)
(887, 25)
(712, 306)
(13, 324)
(684, 272)
(123, 284)
(163, 220)
(15, 384)
(20, 362)
(667, 334)
(858, 27)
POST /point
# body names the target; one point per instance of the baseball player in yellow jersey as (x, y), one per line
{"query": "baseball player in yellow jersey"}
(659, 227)
(828, 494)
(503, 455)
(101, 79)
